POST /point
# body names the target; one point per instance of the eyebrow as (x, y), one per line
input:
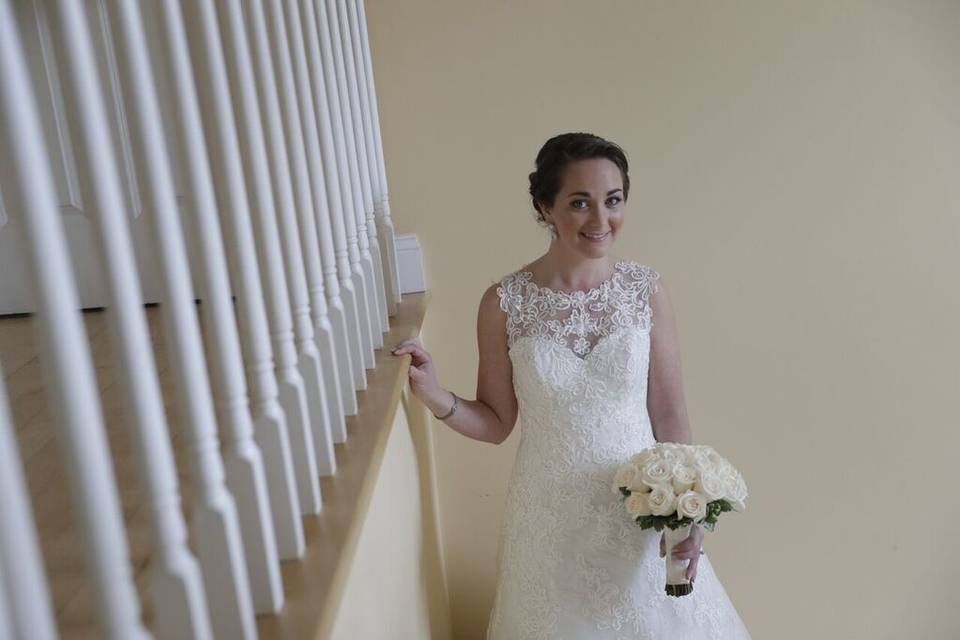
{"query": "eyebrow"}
(584, 193)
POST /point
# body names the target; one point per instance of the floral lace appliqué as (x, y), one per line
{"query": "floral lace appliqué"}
(578, 320)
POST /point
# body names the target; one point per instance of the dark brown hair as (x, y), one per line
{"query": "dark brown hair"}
(562, 150)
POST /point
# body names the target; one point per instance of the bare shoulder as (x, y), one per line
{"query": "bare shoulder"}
(492, 329)
(646, 277)
(491, 315)
(655, 282)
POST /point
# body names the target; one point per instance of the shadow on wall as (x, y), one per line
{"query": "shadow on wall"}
(433, 572)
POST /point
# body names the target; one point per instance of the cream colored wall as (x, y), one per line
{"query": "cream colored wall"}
(396, 587)
(795, 179)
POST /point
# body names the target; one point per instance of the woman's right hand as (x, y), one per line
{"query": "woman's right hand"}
(422, 374)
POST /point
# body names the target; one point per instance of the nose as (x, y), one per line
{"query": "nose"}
(598, 217)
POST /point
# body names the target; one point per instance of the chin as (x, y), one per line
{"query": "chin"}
(595, 249)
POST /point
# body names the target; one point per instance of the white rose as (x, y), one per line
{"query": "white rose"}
(737, 492)
(729, 480)
(643, 457)
(637, 505)
(717, 459)
(657, 471)
(672, 452)
(624, 477)
(711, 485)
(691, 504)
(662, 500)
(638, 485)
(700, 459)
(684, 476)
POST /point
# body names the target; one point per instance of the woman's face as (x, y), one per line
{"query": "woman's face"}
(588, 210)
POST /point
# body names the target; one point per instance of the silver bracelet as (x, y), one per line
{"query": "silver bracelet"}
(452, 409)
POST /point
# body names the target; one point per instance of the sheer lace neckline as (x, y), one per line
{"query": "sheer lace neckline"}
(527, 277)
(577, 319)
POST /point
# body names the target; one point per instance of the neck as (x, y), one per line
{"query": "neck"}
(570, 270)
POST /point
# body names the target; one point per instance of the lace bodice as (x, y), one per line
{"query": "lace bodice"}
(572, 564)
(579, 319)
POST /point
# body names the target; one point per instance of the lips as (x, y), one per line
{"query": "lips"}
(595, 238)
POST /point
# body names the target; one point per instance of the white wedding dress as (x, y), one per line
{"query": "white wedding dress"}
(572, 564)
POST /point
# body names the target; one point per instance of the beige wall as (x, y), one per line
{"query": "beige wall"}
(396, 586)
(795, 171)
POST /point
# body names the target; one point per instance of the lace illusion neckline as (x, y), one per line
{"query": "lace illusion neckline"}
(528, 278)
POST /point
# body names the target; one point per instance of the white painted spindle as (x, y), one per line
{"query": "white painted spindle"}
(322, 266)
(176, 585)
(359, 85)
(254, 153)
(324, 177)
(340, 211)
(6, 618)
(54, 116)
(22, 582)
(242, 460)
(301, 233)
(387, 235)
(344, 122)
(215, 523)
(68, 368)
(285, 174)
(102, 40)
(353, 121)
(270, 421)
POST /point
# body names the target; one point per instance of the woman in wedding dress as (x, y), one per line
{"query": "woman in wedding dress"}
(568, 348)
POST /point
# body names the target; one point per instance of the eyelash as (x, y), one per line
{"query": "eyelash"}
(573, 203)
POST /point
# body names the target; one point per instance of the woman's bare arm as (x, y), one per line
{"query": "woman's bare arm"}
(665, 399)
(492, 416)
(494, 369)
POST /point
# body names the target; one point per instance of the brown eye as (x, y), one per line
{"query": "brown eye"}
(576, 204)
(613, 201)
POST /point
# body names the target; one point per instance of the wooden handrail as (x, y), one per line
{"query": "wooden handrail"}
(314, 585)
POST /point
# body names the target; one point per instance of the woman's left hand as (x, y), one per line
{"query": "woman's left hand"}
(687, 549)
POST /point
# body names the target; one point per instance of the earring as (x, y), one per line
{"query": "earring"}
(553, 230)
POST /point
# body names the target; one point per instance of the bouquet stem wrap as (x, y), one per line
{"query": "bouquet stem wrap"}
(677, 582)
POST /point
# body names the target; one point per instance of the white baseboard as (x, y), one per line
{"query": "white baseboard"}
(410, 262)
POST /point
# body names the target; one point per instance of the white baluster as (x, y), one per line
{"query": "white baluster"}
(242, 460)
(381, 204)
(298, 223)
(270, 421)
(384, 219)
(358, 91)
(22, 581)
(293, 395)
(333, 242)
(68, 369)
(341, 211)
(6, 619)
(103, 42)
(215, 523)
(322, 265)
(344, 123)
(351, 111)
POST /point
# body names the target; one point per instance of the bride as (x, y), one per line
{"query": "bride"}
(568, 347)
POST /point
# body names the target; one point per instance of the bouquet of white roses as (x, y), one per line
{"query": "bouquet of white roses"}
(674, 486)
